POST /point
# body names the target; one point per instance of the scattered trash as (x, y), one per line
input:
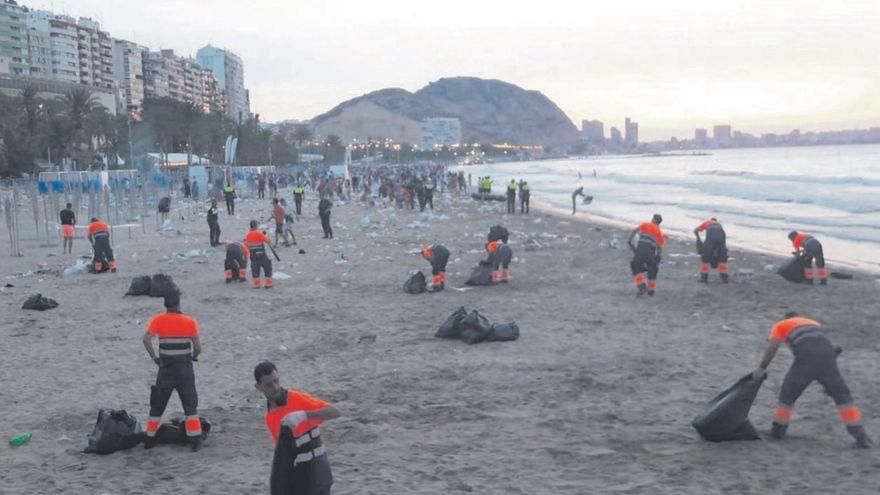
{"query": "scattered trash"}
(841, 275)
(340, 262)
(302, 251)
(167, 225)
(282, 348)
(615, 242)
(769, 268)
(19, 440)
(77, 268)
(193, 253)
(281, 276)
(532, 244)
(366, 222)
(745, 273)
(39, 303)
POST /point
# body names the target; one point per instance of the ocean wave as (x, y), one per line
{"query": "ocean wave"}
(810, 179)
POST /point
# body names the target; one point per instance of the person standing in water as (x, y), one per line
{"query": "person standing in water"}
(577, 192)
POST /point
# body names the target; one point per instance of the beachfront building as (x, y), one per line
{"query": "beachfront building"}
(440, 132)
(229, 72)
(722, 136)
(95, 50)
(128, 71)
(53, 51)
(592, 131)
(13, 37)
(631, 133)
(167, 75)
(616, 137)
(701, 137)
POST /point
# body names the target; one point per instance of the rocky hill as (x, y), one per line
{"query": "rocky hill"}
(490, 111)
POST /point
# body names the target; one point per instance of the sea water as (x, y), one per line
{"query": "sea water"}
(758, 194)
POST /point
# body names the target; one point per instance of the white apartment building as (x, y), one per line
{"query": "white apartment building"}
(128, 71)
(229, 70)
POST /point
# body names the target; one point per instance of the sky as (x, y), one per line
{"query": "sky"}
(671, 65)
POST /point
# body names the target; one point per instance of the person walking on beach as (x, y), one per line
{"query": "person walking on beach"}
(815, 359)
(809, 248)
(713, 251)
(577, 192)
(229, 195)
(438, 256)
(99, 236)
(646, 258)
(179, 347)
(278, 216)
(324, 207)
(256, 243)
(214, 223)
(511, 197)
(288, 222)
(68, 228)
(524, 197)
(298, 199)
(295, 416)
(261, 186)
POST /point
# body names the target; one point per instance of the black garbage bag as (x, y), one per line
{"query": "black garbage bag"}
(140, 286)
(489, 197)
(416, 283)
(174, 431)
(287, 479)
(475, 327)
(841, 275)
(165, 205)
(482, 275)
(39, 303)
(114, 430)
(699, 246)
(451, 328)
(793, 270)
(498, 232)
(502, 332)
(162, 285)
(727, 415)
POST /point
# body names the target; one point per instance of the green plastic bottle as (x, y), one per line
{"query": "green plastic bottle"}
(19, 440)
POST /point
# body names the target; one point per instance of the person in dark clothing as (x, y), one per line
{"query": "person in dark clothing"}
(524, 197)
(298, 199)
(511, 197)
(429, 192)
(809, 248)
(815, 359)
(324, 207)
(438, 256)
(229, 195)
(577, 192)
(646, 258)
(261, 186)
(68, 228)
(186, 189)
(713, 251)
(214, 223)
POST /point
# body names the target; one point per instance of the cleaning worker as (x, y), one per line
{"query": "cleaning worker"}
(237, 254)
(179, 347)
(99, 236)
(646, 260)
(256, 242)
(815, 359)
(229, 195)
(500, 254)
(303, 415)
(809, 248)
(524, 197)
(713, 251)
(438, 256)
(511, 196)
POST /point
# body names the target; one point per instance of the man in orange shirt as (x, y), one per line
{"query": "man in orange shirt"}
(646, 260)
(294, 416)
(256, 241)
(235, 264)
(99, 236)
(815, 359)
(179, 346)
(808, 248)
(713, 251)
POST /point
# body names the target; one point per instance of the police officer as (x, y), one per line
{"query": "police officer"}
(646, 260)
(511, 196)
(500, 254)
(295, 416)
(815, 359)
(713, 251)
(487, 185)
(99, 236)
(524, 197)
(429, 192)
(809, 248)
(235, 264)
(298, 198)
(256, 241)
(179, 346)
(214, 223)
(438, 256)
(229, 195)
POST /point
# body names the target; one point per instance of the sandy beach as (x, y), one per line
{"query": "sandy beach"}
(596, 396)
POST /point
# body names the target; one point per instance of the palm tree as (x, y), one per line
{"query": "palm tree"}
(301, 134)
(79, 103)
(190, 116)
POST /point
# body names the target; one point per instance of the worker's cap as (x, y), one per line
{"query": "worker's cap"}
(93, 219)
(172, 299)
(792, 234)
(657, 218)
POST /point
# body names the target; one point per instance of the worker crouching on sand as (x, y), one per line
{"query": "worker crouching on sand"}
(256, 241)
(646, 260)
(815, 359)
(809, 248)
(438, 256)
(713, 251)
(302, 414)
(99, 236)
(235, 265)
(179, 346)
(500, 255)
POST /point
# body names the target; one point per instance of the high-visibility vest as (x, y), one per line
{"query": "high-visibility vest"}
(525, 187)
(297, 190)
(511, 187)
(228, 189)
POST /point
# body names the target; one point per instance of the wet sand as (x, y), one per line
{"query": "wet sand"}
(596, 396)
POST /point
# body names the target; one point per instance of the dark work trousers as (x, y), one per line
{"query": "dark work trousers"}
(511, 202)
(103, 251)
(714, 250)
(235, 260)
(175, 373)
(325, 224)
(298, 202)
(813, 250)
(230, 204)
(501, 257)
(524, 203)
(214, 227)
(429, 199)
(439, 259)
(645, 260)
(260, 260)
(815, 359)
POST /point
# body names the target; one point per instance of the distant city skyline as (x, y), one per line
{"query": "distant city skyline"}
(763, 66)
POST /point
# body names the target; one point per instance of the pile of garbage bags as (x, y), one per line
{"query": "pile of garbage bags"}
(159, 285)
(473, 328)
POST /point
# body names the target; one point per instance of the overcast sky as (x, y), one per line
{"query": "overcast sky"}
(672, 65)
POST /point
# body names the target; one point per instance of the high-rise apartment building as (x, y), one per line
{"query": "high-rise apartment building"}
(631, 133)
(53, 50)
(592, 131)
(13, 37)
(722, 135)
(167, 75)
(128, 71)
(229, 70)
